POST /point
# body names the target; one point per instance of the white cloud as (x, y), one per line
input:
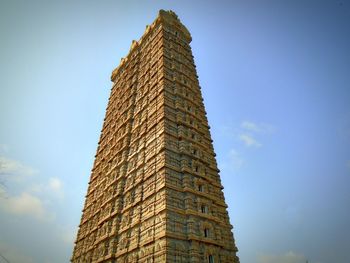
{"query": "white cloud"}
(235, 159)
(24, 204)
(289, 257)
(249, 140)
(257, 128)
(13, 254)
(251, 126)
(232, 162)
(26, 196)
(55, 184)
(54, 187)
(14, 170)
(249, 131)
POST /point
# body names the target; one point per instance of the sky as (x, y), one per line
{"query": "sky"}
(275, 80)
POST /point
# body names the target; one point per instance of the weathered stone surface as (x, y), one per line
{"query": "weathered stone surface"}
(155, 193)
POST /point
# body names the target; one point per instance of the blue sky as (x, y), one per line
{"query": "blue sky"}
(275, 80)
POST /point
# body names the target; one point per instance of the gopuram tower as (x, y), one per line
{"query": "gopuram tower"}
(155, 193)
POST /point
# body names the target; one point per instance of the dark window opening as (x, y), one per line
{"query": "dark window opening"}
(204, 209)
(206, 232)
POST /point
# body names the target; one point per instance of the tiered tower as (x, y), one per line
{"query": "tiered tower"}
(155, 193)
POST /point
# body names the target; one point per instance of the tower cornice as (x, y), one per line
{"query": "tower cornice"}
(165, 18)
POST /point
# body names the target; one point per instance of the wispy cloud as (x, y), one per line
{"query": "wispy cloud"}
(25, 204)
(250, 126)
(32, 200)
(232, 162)
(235, 159)
(54, 187)
(249, 140)
(21, 199)
(257, 128)
(289, 257)
(14, 170)
(249, 131)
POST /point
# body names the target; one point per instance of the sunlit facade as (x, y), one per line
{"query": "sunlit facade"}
(155, 193)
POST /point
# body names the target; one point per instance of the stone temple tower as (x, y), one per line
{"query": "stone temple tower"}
(155, 193)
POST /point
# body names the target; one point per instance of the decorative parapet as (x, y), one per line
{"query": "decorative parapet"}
(164, 17)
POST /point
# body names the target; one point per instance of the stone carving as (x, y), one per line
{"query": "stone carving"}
(154, 193)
